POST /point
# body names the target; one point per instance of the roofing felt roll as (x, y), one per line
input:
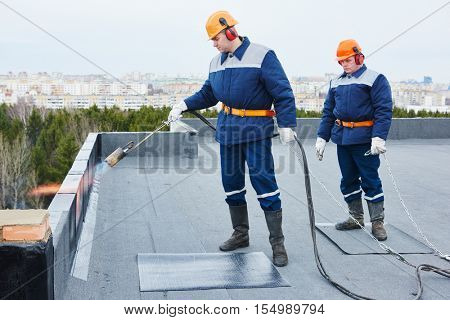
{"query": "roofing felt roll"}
(176, 272)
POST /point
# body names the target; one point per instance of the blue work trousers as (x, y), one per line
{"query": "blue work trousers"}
(259, 159)
(359, 173)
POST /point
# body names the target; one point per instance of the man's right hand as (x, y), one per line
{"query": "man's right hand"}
(320, 147)
(176, 111)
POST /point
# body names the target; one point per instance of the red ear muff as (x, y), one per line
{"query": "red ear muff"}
(229, 31)
(359, 57)
(231, 35)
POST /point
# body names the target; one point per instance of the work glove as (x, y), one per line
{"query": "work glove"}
(286, 135)
(320, 147)
(378, 146)
(176, 111)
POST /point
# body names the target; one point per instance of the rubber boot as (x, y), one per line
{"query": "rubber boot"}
(376, 211)
(356, 210)
(276, 238)
(239, 238)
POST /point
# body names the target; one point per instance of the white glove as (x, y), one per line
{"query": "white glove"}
(286, 135)
(320, 147)
(378, 146)
(176, 111)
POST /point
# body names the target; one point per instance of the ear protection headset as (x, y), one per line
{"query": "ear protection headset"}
(229, 32)
(359, 57)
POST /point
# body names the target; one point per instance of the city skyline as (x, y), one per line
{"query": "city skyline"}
(57, 90)
(193, 76)
(169, 37)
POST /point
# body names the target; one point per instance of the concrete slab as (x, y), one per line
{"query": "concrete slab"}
(78, 167)
(84, 154)
(22, 217)
(23, 225)
(71, 184)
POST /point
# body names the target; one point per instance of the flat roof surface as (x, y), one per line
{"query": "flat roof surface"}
(173, 205)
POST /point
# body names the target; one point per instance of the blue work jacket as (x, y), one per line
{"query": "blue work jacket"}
(363, 95)
(251, 78)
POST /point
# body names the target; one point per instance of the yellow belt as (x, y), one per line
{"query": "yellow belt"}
(248, 113)
(368, 123)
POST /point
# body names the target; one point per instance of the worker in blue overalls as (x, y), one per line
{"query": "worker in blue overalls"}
(247, 79)
(357, 116)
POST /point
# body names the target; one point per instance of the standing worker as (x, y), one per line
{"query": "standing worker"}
(357, 116)
(247, 79)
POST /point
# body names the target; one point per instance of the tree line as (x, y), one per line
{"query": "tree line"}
(38, 146)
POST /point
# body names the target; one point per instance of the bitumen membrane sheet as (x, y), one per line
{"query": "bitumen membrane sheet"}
(175, 272)
(176, 206)
(359, 242)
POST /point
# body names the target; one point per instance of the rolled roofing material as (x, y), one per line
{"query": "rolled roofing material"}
(199, 271)
(357, 242)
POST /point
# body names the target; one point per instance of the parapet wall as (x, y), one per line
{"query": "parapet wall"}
(415, 128)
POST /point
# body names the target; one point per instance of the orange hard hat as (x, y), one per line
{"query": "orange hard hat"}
(218, 21)
(347, 48)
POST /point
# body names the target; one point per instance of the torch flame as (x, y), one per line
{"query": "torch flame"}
(45, 189)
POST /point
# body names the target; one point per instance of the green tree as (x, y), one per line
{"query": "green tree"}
(411, 114)
(34, 126)
(65, 154)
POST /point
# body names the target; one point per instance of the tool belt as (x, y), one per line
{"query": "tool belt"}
(368, 123)
(247, 113)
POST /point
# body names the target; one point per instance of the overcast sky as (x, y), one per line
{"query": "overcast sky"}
(169, 36)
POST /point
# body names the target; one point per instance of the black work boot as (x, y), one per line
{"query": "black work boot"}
(276, 238)
(376, 211)
(356, 210)
(239, 220)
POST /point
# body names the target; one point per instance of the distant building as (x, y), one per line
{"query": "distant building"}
(427, 80)
(135, 89)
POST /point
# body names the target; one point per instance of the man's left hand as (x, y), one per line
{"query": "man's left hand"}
(378, 146)
(286, 135)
